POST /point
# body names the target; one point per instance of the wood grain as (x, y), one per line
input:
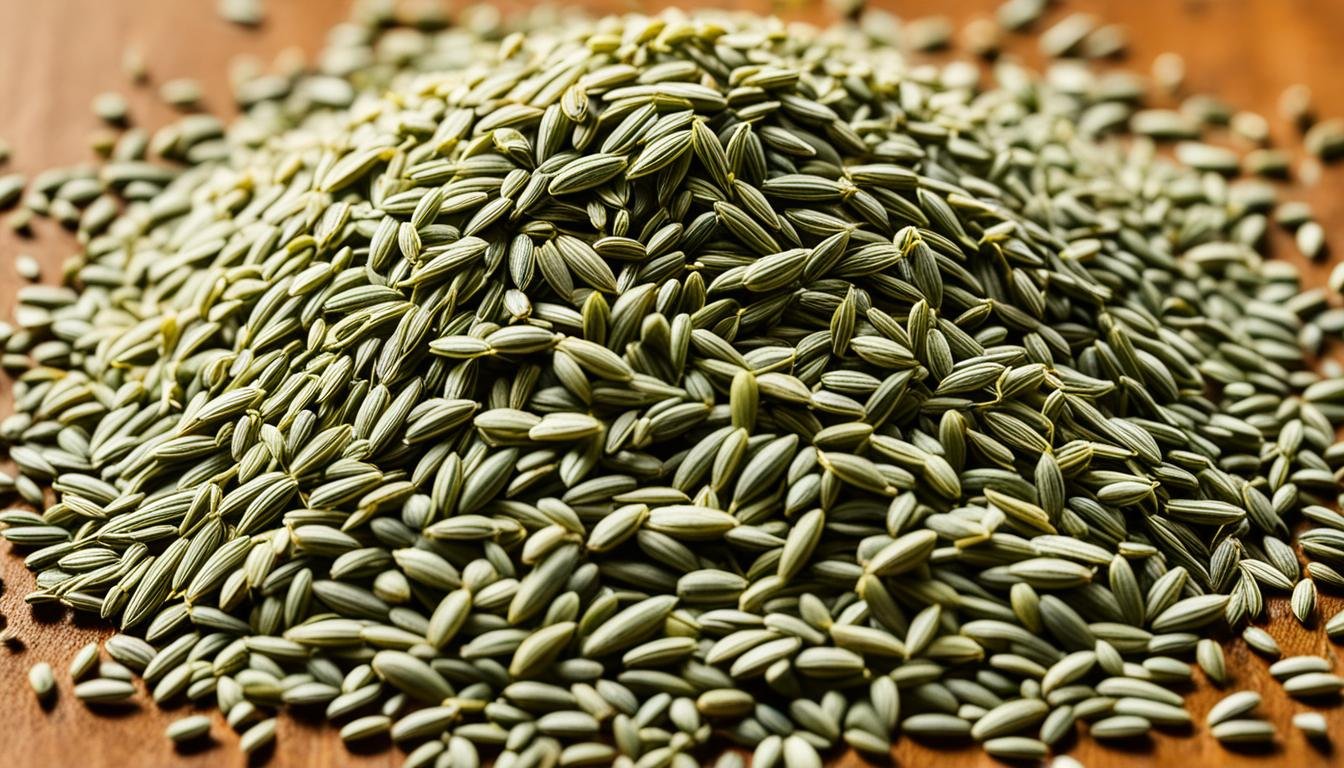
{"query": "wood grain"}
(56, 55)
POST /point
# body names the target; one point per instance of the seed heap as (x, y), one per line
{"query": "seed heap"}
(602, 393)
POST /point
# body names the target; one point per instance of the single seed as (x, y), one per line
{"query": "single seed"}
(1243, 732)
(1310, 684)
(104, 691)
(188, 729)
(257, 737)
(1298, 665)
(1209, 655)
(1261, 641)
(42, 681)
(111, 108)
(1119, 727)
(246, 13)
(1232, 706)
(1312, 725)
(182, 93)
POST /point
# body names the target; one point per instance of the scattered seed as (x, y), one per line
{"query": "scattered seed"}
(111, 107)
(1209, 655)
(1169, 71)
(188, 729)
(11, 189)
(1312, 725)
(182, 93)
(1243, 732)
(133, 65)
(1310, 684)
(104, 691)
(1119, 727)
(257, 737)
(1232, 706)
(27, 267)
(1262, 642)
(246, 13)
(84, 662)
(42, 681)
(1295, 106)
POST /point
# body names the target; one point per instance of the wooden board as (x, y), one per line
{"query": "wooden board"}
(56, 55)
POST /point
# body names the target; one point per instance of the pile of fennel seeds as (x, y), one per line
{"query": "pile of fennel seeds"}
(602, 393)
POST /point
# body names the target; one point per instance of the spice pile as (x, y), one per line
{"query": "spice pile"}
(615, 390)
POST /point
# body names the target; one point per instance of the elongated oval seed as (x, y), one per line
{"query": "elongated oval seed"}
(1120, 727)
(904, 554)
(1016, 748)
(257, 737)
(1243, 732)
(1009, 717)
(104, 691)
(1311, 684)
(86, 658)
(1152, 711)
(1312, 724)
(1299, 665)
(629, 626)
(188, 728)
(412, 676)
(936, 724)
(1261, 641)
(1209, 655)
(1232, 706)
(42, 681)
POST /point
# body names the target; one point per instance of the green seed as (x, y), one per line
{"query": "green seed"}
(182, 93)
(1312, 725)
(1310, 684)
(1232, 706)
(11, 188)
(110, 107)
(1243, 732)
(84, 662)
(188, 729)
(1120, 727)
(936, 725)
(42, 681)
(1009, 717)
(104, 691)
(1152, 711)
(247, 13)
(1298, 665)
(1016, 748)
(600, 389)
(1303, 602)
(364, 728)
(1261, 641)
(257, 737)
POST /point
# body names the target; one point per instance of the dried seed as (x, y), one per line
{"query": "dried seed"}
(1232, 706)
(1312, 725)
(188, 729)
(1243, 732)
(104, 691)
(42, 681)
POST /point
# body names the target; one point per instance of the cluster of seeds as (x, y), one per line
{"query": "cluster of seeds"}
(612, 391)
(1232, 720)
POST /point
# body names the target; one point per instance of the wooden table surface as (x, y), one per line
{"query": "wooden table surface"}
(56, 55)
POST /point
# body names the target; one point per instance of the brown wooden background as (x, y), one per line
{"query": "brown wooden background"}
(56, 55)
